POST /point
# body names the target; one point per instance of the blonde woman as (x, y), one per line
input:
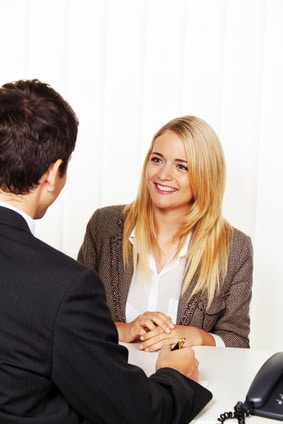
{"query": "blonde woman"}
(172, 266)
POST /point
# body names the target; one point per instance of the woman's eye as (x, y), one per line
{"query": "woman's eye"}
(155, 159)
(182, 167)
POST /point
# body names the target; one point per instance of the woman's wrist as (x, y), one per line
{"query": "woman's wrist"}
(121, 328)
(195, 336)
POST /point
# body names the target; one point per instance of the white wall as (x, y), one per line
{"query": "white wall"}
(129, 66)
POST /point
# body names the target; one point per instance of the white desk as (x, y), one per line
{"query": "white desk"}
(228, 371)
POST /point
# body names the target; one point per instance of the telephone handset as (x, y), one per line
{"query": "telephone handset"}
(265, 395)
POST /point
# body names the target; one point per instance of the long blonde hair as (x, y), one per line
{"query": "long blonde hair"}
(211, 234)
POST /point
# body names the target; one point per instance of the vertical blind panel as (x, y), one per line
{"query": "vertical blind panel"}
(267, 303)
(122, 106)
(86, 69)
(204, 38)
(240, 112)
(47, 50)
(163, 65)
(14, 34)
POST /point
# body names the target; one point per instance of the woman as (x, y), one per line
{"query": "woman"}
(172, 266)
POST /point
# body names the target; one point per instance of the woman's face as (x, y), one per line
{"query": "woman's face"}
(167, 174)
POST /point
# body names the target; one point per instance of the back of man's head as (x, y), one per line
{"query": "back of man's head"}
(37, 127)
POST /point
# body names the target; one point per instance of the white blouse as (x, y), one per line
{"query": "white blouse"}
(161, 291)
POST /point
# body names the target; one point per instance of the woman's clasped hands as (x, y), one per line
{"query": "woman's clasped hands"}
(153, 329)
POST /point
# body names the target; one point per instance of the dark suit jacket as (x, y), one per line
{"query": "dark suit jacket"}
(59, 357)
(228, 315)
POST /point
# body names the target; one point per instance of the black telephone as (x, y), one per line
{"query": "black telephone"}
(265, 395)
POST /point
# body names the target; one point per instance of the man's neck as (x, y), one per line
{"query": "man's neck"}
(17, 201)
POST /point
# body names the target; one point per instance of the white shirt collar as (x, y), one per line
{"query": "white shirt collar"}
(30, 222)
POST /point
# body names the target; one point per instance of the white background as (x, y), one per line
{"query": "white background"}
(129, 66)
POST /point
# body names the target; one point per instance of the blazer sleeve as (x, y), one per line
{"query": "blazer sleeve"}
(91, 369)
(87, 251)
(233, 324)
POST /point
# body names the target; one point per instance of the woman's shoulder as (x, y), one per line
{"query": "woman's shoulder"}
(111, 210)
(240, 234)
(113, 213)
(241, 239)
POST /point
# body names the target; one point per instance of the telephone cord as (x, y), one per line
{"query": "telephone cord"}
(240, 412)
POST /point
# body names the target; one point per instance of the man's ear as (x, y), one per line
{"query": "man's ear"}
(52, 174)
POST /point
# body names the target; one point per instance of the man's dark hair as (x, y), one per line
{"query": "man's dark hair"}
(37, 127)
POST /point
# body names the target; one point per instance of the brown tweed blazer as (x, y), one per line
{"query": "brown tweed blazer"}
(228, 316)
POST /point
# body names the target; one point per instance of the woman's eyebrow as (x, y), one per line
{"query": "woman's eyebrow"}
(181, 160)
(156, 153)
(176, 160)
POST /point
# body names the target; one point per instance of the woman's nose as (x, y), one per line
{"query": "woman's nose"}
(165, 173)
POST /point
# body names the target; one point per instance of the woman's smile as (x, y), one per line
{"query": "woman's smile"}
(165, 189)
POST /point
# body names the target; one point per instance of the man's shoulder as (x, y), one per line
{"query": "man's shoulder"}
(60, 272)
(57, 260)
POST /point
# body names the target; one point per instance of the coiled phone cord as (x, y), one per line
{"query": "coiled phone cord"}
(240, 412)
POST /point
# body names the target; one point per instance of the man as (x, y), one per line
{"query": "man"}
(60, 362)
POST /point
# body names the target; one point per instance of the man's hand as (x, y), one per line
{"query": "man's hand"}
(182, 360)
